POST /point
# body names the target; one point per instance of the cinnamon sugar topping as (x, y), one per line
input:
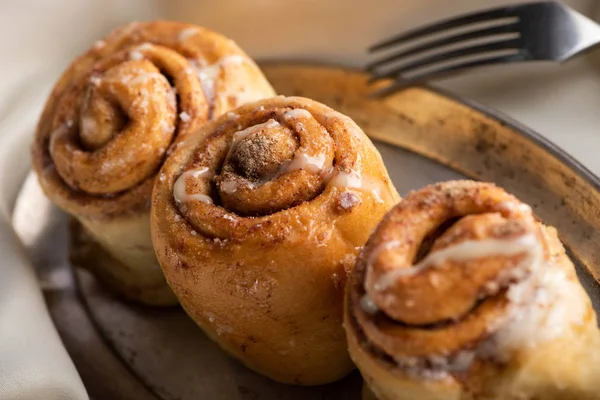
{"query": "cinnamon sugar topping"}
(185, 117)
(180, 192)
(209, 75)
(135, 55)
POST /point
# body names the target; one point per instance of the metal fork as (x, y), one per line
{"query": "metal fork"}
(544, 30)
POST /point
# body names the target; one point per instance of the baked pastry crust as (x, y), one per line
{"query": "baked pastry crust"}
(491, 309)
(109, 123)
(256, 221)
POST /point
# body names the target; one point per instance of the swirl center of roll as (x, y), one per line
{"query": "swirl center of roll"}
(118, 135)
(100, 120)
(477, 256)
(441, 272)
(274, 162)
(258, 152)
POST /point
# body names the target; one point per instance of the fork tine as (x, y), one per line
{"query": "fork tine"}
(462, 52)
(444, 71)
(482, 33)
(483, 16)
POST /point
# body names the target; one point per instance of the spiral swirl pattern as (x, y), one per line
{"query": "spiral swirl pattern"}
(269, 157)
(120, 108)
(433, 280)
(256, 220)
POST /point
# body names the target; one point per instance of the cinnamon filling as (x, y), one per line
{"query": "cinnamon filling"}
(259, 156)
(101, 119)
(121, 118)
(432, 283)
(267, 161)
(133, 98)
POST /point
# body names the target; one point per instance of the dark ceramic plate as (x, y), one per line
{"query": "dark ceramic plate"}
(130, 352)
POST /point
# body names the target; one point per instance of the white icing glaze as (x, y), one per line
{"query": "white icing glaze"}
(198, 197)
(95, 80)
(89, 125)
(185, 117)
(180, 191)
(229, 217)
(363, 183)
(368, 305)
(438, 365)
(350, 259)
(239, 135)
(475, 249)
(187, 33)
(135, 55)
(229, 186)
(234, 59)
(512, 206)
(471, 250)
(303, 161)
(558, 305)
(144, 46)
(232, 186)
(297, 113)
(208, 75)
(542, 307)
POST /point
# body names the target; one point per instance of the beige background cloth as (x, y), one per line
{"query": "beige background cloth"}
(39, 38)
(33, 362)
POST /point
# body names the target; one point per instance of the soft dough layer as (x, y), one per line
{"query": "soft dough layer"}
(256, 221)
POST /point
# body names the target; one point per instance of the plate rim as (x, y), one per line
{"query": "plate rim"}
(518, 127)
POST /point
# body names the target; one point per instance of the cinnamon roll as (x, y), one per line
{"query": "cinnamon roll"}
(109, 123)
(257, 219)
(461, 293)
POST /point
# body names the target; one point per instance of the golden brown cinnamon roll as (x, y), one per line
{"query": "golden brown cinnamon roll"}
(256, 220)
(109, 123)
(461, 294)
